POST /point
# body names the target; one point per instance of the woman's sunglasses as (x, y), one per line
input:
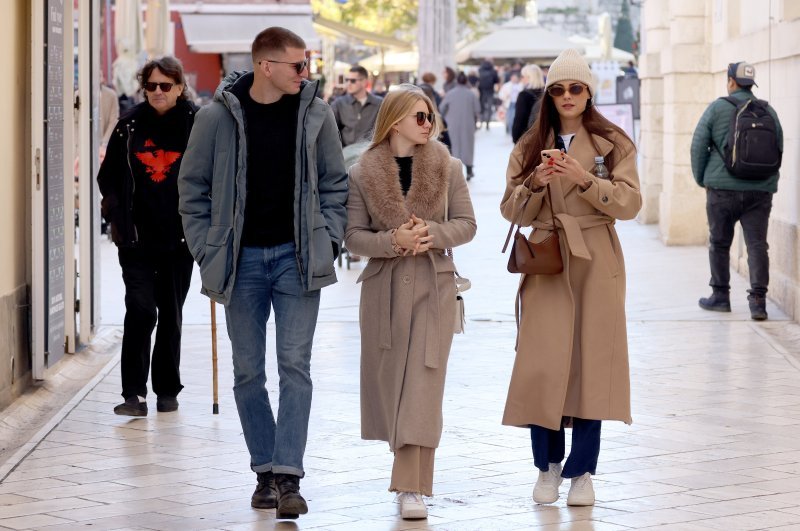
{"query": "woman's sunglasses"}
(557, 90)
(422, 116)
(151, 86)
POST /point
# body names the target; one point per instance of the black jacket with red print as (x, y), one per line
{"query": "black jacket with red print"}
(138, 176)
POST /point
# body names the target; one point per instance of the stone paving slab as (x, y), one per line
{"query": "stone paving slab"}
(715, 442)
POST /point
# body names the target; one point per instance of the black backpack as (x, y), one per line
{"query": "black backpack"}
(751, 148)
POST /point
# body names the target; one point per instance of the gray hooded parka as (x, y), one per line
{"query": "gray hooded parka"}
(213, 190)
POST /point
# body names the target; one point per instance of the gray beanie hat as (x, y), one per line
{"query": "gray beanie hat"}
(570, 65)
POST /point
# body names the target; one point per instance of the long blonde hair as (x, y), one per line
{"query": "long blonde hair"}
(397, 105)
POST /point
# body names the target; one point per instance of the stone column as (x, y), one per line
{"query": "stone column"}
(687, 91)
(436, 36)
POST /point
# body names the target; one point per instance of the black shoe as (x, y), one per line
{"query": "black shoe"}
(758, 307)
(132, 407)
(290, 503)
(266, 494)
(718, 302)
(165, 404)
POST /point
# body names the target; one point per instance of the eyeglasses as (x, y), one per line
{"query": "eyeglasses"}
(299, 66)
(151, 86)
(557, 90)
(352, 79)
(422, 116)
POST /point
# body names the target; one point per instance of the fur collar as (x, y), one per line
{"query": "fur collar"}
(379, 178)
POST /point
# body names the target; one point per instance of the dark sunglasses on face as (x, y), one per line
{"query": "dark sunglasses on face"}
(422, 116)
(352, 79)
(150, 86)
(299, 66)
(557, 90)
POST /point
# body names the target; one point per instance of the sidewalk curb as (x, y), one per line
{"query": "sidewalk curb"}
(23, 451)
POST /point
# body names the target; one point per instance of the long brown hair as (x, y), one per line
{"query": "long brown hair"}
(542, 133)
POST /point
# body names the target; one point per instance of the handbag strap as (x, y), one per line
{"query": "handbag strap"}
(522, 211)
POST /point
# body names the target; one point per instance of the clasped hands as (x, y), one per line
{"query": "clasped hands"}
(412, 236)
(568, 168)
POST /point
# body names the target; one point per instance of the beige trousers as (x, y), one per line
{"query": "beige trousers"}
(413, 470)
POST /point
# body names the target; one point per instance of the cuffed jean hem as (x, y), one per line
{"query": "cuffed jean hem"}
(278, 469)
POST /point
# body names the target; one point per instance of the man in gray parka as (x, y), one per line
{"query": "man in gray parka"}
(262, 195)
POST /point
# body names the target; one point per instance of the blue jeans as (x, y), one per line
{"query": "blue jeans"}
(548, 447)
(268, 276)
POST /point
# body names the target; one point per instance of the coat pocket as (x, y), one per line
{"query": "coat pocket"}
(215, 268)
(323, 248)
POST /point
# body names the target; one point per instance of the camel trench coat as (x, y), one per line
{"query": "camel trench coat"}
(407, 310)
(572, 345)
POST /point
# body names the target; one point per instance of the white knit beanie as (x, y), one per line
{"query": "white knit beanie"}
(570, 65)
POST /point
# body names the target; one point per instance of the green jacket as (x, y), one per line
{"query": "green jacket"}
(708, 167)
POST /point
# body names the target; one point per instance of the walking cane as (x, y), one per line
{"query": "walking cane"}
(215, 407)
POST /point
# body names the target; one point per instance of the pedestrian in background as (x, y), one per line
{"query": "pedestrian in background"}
(461, 109)
(730, 198)
(428, 80)
(355, 112)
(449, 79)
(487, 84)
(408, 203)
(138, 180)
(528, 101)
(264, 215)
(571, 366)
(508, 95)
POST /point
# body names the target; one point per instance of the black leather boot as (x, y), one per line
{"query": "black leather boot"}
(719, 301)
(758, 307)
(266, 494)
(290, 503)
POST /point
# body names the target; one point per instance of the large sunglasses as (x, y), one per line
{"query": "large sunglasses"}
(299, 66)
(422, 116)
(151, 86)
(575, 89)
(352, 79)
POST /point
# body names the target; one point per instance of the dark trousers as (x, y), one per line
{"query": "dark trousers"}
(548, 447)
(156, 284)
(751, 208)
(487, 105)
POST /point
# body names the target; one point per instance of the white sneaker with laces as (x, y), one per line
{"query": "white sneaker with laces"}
(546, 488)
(412, 506)
(581, 491)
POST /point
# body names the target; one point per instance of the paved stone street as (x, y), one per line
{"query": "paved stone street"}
(715, 442)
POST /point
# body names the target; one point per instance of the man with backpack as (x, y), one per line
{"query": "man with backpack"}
(736, 153)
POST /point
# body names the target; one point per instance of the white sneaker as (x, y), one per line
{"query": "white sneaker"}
(411, 505)
(546, 488)
(581, 491)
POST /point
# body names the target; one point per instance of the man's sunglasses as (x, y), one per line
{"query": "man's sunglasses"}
(557, 90)
(352, 79)
(422, 116)
(298, 66)
(151, 86)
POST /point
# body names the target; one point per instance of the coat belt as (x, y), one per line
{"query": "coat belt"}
(573, 227)
(433, 319)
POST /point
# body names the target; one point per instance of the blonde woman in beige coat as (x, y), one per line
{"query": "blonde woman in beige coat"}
(399, 193)
(571, 367)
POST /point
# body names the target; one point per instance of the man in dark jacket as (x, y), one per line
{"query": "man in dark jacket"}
(139, 182)
(356, 111)
(487, 82)
(262, 194)
(730, 199)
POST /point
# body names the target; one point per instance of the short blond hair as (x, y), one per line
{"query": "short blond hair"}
(534, 76)
(397, 105)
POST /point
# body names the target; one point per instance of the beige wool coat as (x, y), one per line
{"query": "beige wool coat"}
(572, 345)
(407, 302)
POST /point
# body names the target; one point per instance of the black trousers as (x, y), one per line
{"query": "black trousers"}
(156, 284)
(750, 208)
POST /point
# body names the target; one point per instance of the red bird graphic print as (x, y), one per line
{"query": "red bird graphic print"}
(157, 162)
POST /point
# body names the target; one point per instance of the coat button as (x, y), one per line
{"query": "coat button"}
(406, 279)
(604, 199)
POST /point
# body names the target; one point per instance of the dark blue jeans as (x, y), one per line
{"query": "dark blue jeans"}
(751, 208)
(548, 447)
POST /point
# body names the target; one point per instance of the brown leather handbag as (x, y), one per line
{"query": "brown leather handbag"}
(543, 258)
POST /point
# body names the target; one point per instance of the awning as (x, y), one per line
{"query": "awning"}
(234, 32)
(369, 38)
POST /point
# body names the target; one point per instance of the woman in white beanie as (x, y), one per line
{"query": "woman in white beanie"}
(571, 367)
